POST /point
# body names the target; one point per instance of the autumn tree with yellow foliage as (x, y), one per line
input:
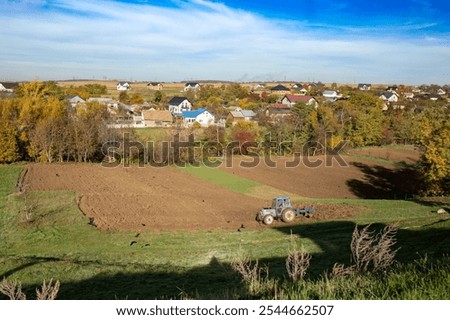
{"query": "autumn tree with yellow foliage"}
(435, 160)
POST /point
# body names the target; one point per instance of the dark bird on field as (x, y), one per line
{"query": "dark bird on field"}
(132, 242)
(91, 222)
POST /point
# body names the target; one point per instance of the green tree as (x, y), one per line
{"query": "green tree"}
(158, 96)
(367, 121)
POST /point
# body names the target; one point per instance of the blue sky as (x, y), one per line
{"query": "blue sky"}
(178, 40)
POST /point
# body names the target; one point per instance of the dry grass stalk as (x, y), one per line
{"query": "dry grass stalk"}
(12, 289)
(373, 251)
(30, 205)
(48, 291)
(339, 270)
(244, 266)
(297, 263)
(384, 255)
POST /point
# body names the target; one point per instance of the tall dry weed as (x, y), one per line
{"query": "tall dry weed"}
(371, 251)
(297, 262)
(12, 289)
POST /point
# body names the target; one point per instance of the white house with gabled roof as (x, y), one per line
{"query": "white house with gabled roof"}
(202, 116)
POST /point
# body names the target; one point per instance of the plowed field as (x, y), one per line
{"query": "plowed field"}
(158, 199)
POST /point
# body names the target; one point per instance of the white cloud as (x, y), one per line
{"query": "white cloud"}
(198, 39)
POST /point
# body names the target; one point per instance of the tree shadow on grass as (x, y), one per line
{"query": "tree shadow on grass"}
(217, 280)
(385, 183)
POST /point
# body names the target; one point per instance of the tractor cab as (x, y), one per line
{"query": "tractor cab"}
(280, 203)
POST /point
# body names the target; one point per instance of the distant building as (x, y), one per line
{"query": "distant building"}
(280, 90)
(157, 118)
(155, 86)
(74, 100)
(278, 112)
(291, 99)
(389, 97)
(191, 86)
(364, 86)
(259, 86)
(331, 95)
(392, 89)
(299, 88)
(123, 86)
(179, 104)
(240, 115)
(8, 86)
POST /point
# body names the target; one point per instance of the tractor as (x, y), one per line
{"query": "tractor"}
(282, 209)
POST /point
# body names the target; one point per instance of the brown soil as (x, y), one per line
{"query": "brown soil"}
(398, 155)
(146, 198)
(359, 178)
(157, 199)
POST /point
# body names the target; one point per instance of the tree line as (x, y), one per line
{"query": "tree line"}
(38, 125)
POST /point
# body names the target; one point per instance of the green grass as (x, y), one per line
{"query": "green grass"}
(223, 179)
(59, 243)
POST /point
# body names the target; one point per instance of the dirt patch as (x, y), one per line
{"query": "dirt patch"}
(408, 156)
(315, 178)
(157, 199)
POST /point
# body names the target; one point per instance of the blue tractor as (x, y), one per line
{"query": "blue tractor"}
(282, 209)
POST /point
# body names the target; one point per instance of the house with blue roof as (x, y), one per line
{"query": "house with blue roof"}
(201, 116)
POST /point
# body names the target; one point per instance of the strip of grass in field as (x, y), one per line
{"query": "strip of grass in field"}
(237, 184)
(91, 264)
(222, 178)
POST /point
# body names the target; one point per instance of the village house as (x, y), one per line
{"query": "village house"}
(191, 86)
(277, 111)
(157, 118)
(110, 103)
(389, 97)
(280, 90)
(364, 86)
(259, 86)
(179, 104)
(202, 116)
(123, 86)
(299, 88)
(331, 95)
(155, 86)
(240, 115)
(409, 95)
(392, 89)
(291, 99)
(8, 87)
(74, 100)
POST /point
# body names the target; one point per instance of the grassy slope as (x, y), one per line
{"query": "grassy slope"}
(102, 265)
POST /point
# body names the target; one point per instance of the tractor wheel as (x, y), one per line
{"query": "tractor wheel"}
(288, 215)
(268, 219)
